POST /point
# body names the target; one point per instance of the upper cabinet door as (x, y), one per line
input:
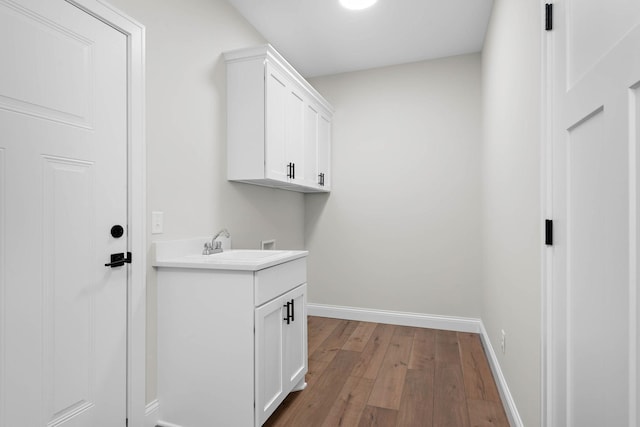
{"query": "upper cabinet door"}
(276, 124)
(311, 116)
(324, 152)
(294, 149)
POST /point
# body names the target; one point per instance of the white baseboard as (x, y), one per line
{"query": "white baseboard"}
(151, 413)
(458, 324)
(151, 416)
(503, 388)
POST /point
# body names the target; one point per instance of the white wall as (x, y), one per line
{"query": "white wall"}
(401, 227)
(186, 131)
(512, 219)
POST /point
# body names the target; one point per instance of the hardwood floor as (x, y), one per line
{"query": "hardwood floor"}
(371, 374)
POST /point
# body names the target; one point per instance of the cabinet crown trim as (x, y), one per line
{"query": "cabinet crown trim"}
(271, 54)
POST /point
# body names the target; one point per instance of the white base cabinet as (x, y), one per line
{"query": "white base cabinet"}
(278, 125)
(231, 344)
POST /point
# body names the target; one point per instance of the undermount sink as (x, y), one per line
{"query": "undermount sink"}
(239, 255)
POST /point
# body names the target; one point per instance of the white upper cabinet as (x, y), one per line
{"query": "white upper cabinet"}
(278, 126)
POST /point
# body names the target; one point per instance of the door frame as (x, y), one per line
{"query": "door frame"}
(546, 207)
(136, 215)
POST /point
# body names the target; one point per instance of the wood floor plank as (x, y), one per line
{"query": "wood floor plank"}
(484, 413)
(360, 337)
(450, 405)
(478, 379)
(373, 354)
(416, 407)
(315, 403)
(347, 409)
(378, 417)
(327, 350)
(405, 331)
(449, 413)
(318, 330)
(448, 382)
(387, 390)
(423, 352)
(447, 347)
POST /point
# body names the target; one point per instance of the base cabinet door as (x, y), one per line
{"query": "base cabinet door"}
(295, 337)
(281, 351)
(269, 359)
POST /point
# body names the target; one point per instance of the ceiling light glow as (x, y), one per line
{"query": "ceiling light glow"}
(357, 4)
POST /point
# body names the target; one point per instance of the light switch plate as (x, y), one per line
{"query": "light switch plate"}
(157, 222)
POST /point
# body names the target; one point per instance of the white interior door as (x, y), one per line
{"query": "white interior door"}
(63, 185)
(594, 52)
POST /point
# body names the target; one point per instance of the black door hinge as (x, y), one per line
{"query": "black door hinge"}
(548, 16)
(548, 232)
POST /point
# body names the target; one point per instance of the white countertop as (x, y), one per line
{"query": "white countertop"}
(188, 254)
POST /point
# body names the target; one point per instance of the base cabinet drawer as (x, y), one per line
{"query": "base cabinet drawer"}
(274, 281)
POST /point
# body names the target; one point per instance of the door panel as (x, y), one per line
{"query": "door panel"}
(68, 349)
(596, 283)
(61, 91)
(594, 27)
(63, 184)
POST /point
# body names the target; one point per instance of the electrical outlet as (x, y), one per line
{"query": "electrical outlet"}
(268, 245)
(503, 340)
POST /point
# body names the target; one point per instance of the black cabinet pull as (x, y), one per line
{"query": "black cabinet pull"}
(290, 311)
(291, 170)
(321, 179)
(288, 305)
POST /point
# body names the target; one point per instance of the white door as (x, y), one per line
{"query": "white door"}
(594, 52)
(63, 185)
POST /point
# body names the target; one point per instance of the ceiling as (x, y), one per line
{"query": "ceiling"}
(320, 37)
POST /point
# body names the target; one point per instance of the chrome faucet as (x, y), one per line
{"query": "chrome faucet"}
(215, 247)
